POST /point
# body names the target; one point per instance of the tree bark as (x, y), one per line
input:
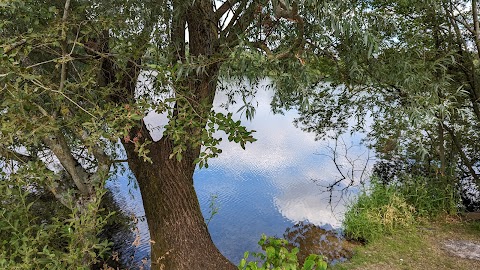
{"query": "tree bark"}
(177, 228)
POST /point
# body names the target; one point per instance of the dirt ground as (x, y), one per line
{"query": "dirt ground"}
(458, 241)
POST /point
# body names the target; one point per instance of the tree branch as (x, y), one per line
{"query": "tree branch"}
(464, 157)
(281, 10)
(476, 26)
(467, 67)
(291, 13)
(62, 151)
(103, 160)
(61, 192)
(9, 48)
(226, 6)
(14, 155)
(239, 22)
(262, 46)
(63, 74)
(177, 33)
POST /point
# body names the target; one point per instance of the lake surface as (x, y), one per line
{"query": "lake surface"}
(277, 182)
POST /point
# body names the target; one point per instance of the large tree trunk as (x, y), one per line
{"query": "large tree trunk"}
(177, 227)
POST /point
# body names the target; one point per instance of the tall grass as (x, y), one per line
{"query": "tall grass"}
(431, 197)
(379, 210)
(382, 209)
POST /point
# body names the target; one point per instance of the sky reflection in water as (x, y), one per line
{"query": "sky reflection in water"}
(272, 185)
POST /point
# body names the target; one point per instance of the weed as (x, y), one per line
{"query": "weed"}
(278, 256)
(377, 211)
(213, 208)
(383, 208)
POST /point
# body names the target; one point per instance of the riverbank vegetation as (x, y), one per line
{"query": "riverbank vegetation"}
(405, 224)
(279, 255)
(37, 233)
(408, 224)
(77, 78)
(382, 209)
(421, 246)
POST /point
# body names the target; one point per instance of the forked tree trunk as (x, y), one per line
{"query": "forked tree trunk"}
(177, 227)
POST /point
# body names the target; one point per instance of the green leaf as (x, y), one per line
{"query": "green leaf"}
(308, 265)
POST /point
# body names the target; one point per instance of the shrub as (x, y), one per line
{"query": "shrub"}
(66, 239)
(383, 208)
(378, 211)
(278, 257)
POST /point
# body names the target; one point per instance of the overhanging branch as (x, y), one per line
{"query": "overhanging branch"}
(224, 8)
(463, 156)
(239, 22)
(62, 151)
(104, 161)
(290, 13)
(14, 155)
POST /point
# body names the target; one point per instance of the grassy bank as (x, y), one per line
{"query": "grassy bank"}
(406, 224)
(418, 247)
(383, 209)
(412, 223)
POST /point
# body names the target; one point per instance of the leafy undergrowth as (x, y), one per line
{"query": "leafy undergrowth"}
(417, 247)
(278, 256)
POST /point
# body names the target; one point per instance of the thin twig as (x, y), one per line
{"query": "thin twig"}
(63, 74)
(36, 82)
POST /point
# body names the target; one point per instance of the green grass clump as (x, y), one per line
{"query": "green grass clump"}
(382, 209)
(431, 197)
(378, 211)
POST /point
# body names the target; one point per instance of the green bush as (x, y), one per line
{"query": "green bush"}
(431, 197)
(382, 209)
(278, 257)
(378, 211)
(67, 239)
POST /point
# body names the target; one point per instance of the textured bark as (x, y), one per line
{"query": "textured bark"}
(177, 228)
(181, 239)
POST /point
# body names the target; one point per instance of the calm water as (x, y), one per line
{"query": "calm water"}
(274, 184)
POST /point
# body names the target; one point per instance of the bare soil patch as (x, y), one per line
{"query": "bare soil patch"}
(463, 248)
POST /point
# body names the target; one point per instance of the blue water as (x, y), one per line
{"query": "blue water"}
(275, 183)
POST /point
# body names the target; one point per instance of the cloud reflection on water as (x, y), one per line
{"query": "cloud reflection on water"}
(276, 182)
(273, 184)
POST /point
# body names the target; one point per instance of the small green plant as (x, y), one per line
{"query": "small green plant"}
(31, 239)
(278, 257)
(213, 208)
